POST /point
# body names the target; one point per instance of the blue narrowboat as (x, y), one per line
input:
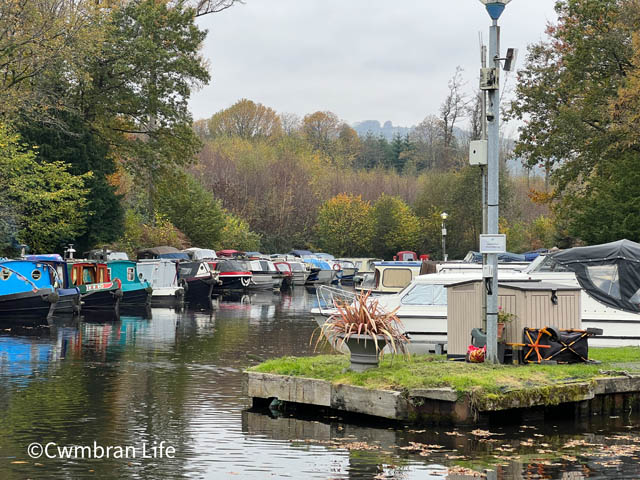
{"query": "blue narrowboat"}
(27, 292)
(69, 295)
(135, 291)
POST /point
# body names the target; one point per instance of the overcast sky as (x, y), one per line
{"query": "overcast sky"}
(361, 59)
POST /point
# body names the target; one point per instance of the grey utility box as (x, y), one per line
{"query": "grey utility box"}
(478, 152)
(535, 305)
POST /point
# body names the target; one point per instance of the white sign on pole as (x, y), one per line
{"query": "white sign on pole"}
(493, 243)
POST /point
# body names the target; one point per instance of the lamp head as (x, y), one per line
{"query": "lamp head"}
(495, 7)
(444, 215)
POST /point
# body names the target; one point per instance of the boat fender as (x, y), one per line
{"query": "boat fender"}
(149, 290)
(245, 281)
(53, 297)
(183, 283)
(118, 293)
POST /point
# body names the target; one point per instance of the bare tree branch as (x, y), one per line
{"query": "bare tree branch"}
(204, 7)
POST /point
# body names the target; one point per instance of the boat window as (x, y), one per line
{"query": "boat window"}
(36, 274)
(635, 298)
(265, 265)
(396, 277)
(549, 264)
(5, 274)
(428, 294)
(109, 272)
(131, 274)
(87, 276)
(605, 278)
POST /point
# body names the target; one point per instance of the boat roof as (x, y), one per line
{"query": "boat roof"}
(46, 257)
(162, 252)
(299, 253)
(609, 272)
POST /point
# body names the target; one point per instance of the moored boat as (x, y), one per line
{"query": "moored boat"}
(135, 291)
(68, 295)
(390, 277)
(198, 280)
(264, 274)
(27, 292)
(162, 275)
(232, 275)
(97, 290)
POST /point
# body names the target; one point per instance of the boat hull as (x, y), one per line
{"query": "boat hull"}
(267, 281)
(138, 296)
(321, 277)
(28, 308)
(236, 282)
(198, 291)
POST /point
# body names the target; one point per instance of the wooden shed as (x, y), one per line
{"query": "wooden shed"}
(534, 304)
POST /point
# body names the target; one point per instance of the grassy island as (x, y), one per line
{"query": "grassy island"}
(434, 371)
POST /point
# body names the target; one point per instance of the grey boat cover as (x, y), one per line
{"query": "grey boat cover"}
(610, 272)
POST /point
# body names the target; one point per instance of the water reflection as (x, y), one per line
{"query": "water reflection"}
(177, 377)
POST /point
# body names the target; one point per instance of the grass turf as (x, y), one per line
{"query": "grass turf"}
(426, 371)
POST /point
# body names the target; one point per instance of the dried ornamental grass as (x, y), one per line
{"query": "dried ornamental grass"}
(364, 316)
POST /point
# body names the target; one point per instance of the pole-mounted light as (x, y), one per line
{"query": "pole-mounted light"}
(495, 7)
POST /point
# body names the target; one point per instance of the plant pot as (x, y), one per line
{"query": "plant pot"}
(501, 326)
(363, 351)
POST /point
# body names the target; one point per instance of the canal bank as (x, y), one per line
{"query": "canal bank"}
(429, 389)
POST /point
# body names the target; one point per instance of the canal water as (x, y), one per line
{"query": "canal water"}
(159, 396)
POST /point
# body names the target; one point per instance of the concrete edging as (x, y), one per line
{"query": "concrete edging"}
(435, 404)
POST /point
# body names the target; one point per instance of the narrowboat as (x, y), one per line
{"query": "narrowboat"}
(97, 290)
(135, 291)
(68, 295)
(159, 266)
(27, 292)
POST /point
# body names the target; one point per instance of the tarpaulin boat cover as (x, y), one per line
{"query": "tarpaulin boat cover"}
(610, 272)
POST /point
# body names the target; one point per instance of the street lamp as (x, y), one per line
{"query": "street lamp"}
(495, 7)
(490, 81)
(444, 216)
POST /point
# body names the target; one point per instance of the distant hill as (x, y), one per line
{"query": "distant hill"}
(387, 130)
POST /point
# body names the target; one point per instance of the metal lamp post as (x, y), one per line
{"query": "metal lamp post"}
(490, 82)
(444, 216)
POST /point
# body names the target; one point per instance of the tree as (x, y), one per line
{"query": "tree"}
(572, 92)
(396, 227)
(427, 137)
(34, 38)
(345, 226)
(84, 152)
(191, 208)
(245, 119)
(47, 203)
(452, 109)
(321, 130)
(237, 235)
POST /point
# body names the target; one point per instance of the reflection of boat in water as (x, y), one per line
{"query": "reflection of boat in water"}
(22, 356)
